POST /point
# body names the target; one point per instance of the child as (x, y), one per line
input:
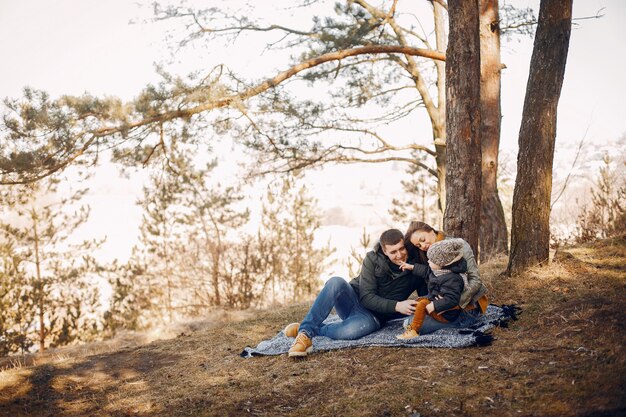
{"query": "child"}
(444, 286)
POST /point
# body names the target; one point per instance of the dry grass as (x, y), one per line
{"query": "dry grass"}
(124, 340)
(564, 357)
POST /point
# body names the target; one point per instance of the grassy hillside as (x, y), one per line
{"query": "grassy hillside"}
(564, 357)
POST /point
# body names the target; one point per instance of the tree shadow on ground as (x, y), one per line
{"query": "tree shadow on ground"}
(90, 386)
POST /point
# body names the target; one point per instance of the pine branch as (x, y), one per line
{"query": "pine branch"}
(185, 113)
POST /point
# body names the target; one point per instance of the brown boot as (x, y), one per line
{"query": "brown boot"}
(418, 319)
(301, 347)
(292, 330)
(408, 334)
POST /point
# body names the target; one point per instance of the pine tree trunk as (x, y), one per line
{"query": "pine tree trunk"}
(530, 231)
(215, 249)
(463, 154)
(42, 325)
(215, 275)
(493, 236)
(168, 276)
(438, 119)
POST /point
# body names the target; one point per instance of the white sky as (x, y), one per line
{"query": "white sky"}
(73, 46)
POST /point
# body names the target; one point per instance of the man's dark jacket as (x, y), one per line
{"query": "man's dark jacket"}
(381, 283)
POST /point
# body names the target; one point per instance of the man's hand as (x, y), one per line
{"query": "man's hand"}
(430, 307)
(406, 307)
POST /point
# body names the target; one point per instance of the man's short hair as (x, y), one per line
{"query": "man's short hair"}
(390, 237)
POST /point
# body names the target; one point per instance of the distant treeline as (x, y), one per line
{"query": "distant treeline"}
(192, 257)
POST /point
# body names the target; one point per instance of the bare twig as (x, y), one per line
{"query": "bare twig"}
(599, 14)
(569, 174)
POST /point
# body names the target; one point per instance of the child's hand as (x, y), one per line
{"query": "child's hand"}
(406, 267)
(430, 308)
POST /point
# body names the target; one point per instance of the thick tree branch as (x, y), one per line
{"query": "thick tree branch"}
(276, 80)
(300, 164)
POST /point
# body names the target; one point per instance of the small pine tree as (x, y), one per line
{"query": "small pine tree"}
(184, 237)
(293, 264)
(606, 216)
(40, 222)
(160, 235)
(17, 309)
(129, 303)
(418, 201)
(355, 260)
(211, 220)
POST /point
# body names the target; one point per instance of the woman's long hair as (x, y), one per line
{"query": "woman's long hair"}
(414, 252)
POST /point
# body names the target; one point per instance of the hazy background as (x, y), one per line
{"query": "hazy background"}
(77, 46)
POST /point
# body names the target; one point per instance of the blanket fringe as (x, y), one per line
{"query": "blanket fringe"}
(483, 339)
(510, 312)
(247, 352)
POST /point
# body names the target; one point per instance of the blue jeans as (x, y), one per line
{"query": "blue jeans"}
(465, 319)
(356, 320)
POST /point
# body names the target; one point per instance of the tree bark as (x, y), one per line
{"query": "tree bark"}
(530, 231)
(493, 236)
(463, 155)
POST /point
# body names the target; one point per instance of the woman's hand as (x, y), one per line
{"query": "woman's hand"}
(406, 307)
(406, 267)
(430, 307)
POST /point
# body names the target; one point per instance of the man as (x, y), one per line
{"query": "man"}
(379, 293)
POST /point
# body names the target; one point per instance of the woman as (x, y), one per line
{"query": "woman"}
(417, 239)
